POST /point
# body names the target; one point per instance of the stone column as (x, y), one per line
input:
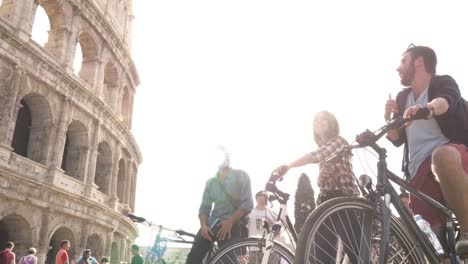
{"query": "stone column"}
(84, 238)
(133, 193)
(114, 178)
(70, 42)
(27, 12)
(9, 87)
(91, 169)
(43, 243)
(130, 110)
(57, 43)
(108, 248)
(20, 14)
(118, 101)
(128, 181)
(99, 82)
(61, 135)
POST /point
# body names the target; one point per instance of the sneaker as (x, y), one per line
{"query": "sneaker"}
(462, 245)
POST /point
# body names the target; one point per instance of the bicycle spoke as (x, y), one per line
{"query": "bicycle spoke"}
(252, 251)
(354, 234)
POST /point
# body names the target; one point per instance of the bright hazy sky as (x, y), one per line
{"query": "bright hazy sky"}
(250, 75)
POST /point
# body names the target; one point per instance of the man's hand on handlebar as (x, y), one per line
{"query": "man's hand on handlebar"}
(278, 173)
(418, 112)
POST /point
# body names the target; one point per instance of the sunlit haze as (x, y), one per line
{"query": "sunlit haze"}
(250, 75)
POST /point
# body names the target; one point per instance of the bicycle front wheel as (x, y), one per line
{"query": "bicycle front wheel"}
(348, 230)
(251, 250)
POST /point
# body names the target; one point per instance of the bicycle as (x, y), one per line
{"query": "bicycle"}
(155, 253)
(366, 227)
(266, 249)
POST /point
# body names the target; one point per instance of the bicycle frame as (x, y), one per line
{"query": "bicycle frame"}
(281, 220)
(388, 195)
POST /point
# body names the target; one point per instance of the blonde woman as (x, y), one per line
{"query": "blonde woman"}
(336, 177)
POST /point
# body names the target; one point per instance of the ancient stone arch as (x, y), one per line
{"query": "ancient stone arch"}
(89, 62)
(76, 150)
(114, 257)
(36, 114)
(60, 234)
(16, 228)
(41, 26)
(103, 167)
(94, 242)
(58, 26)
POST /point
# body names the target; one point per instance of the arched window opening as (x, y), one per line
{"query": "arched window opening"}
(15, 228)
(31, 136)
(95, 244)
(62, 233)
(121, 181)
(22, 130)
(103, 167)
(41, 27)
(78, 61)
(86, 58)
(114, 254)
(76, 150)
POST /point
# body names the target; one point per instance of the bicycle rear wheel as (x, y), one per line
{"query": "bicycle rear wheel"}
(250, 250)
(347, 230)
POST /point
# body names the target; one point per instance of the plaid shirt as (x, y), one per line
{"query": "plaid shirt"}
(337, 173)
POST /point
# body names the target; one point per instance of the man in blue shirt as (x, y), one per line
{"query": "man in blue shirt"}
(231, 194)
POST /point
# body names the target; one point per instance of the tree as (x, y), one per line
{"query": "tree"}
(304, 201)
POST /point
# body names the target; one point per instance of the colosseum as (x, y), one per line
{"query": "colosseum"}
(68, 160)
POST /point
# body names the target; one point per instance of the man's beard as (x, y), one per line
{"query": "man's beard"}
(408, 77)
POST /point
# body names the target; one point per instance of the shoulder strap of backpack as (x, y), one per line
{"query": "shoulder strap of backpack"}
(228, 195)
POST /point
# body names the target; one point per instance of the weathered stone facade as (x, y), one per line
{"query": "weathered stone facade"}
(68, 161)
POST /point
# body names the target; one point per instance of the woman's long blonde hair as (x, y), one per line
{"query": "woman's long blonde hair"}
(332, 131)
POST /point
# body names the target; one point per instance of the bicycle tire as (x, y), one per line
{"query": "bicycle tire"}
(249, 250)
(325, 219)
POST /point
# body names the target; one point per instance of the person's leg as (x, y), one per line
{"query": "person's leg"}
(449, 164)
(199, 249)
(425, 182)
(235, 235)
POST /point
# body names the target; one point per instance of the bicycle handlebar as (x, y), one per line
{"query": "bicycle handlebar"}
(368, 138)
(142, 220)
(271, 187)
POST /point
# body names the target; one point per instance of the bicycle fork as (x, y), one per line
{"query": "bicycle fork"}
(275, 231)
